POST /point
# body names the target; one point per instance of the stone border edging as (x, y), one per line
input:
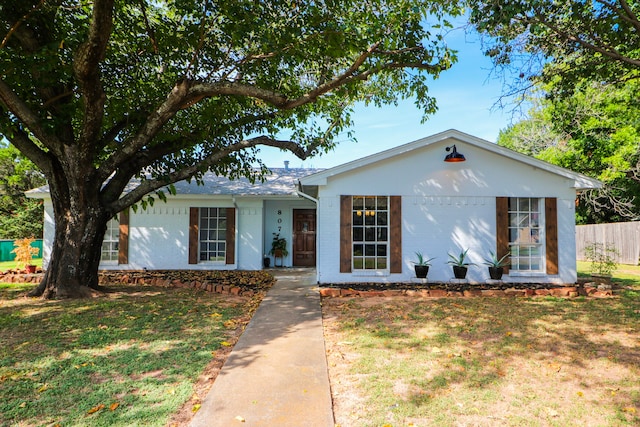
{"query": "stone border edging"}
(147, 278)
(564, 292)
(21, 277)
(162, 278)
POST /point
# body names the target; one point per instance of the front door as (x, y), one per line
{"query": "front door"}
(304, 238)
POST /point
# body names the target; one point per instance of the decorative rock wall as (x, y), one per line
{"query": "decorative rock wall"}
(245, 283)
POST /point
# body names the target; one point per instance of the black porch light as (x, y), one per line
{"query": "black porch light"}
(454, 156)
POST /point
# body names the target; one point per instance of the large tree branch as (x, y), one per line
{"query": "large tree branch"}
(28, 117)
(142, 159)
(596, 45)
(26, 146)
(277, 99)
(185, 93)
(353, 73)
(625, 12)
(154, 123)
(148, 186)
(86, 66)
(158, 151)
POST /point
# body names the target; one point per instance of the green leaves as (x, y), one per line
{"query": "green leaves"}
(19, 216)
(561, 41)
(593, 130)
(101, 92)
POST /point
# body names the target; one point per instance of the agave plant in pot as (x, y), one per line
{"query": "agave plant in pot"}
(459, 264)
(496, 266)
(421, 266)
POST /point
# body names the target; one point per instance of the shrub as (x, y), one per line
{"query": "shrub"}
(602, 258)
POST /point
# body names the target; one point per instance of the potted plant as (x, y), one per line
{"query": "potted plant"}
(496, 266)
(460, 264)
(278, 247)
(421, 266)
(602, 259)
(25, 252)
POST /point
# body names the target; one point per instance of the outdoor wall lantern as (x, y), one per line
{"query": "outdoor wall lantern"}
(454, 156)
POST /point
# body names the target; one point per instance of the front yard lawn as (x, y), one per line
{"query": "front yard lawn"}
(542, 361)
(138, 355)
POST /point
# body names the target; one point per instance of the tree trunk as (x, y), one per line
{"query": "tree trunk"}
(80, 224)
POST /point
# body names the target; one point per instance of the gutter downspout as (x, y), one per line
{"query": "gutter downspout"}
(306, 196)
(237, 237)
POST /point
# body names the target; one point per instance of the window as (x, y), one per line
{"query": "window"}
(111, 242)
(212, 234)
(526, 234)
(370, 232)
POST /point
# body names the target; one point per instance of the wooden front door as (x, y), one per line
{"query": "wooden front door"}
(304, 238)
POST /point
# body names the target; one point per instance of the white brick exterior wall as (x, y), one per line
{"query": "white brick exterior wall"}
(446, 207)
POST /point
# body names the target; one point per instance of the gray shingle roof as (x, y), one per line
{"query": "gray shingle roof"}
(281, 182)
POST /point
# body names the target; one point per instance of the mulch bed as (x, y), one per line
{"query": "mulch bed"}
(457, 287)
(441, 289)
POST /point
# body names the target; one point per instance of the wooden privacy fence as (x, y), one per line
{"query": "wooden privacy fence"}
(624, 236)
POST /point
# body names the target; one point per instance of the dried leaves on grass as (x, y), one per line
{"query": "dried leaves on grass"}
(485, 361)
(137, 355)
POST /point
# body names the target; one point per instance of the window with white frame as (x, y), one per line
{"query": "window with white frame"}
(213, 232)
(526, 229)
(370, 232)
(111, 242)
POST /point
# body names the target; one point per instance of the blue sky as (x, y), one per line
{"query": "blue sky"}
(466, 96)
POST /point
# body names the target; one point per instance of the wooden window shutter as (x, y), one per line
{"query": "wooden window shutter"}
(123, 238)
(395, 233)
(345, 234)
(551, 233)
(231, 236)
(502, 228)
(194, 217)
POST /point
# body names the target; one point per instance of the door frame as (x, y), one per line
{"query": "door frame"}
(294, 249)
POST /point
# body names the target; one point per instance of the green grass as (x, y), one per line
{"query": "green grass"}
(489, 361)
(6, 265)
(626, 275)
(134, 353)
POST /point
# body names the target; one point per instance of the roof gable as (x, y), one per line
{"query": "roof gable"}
(581, 181)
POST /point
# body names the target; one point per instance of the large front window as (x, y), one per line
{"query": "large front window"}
(370, 232)
(213, 232)
(111, 241)
(526, 228)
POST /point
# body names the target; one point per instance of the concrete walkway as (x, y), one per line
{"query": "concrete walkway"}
(276, 374)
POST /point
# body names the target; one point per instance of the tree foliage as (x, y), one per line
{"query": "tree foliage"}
(582, 58)
(596, 132)
(97, 93)
(562, 41)
(19, 217)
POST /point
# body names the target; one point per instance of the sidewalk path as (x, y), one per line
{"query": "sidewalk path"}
(276, 374)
